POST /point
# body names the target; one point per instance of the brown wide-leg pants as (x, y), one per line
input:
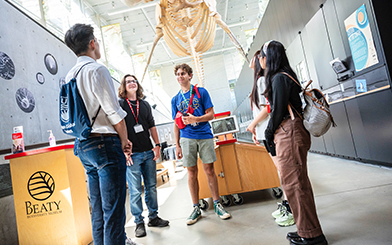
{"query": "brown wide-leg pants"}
(292, 145)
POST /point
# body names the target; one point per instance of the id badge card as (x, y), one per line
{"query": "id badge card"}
(138, 128)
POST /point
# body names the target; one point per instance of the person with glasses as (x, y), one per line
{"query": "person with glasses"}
(140, 124)
(102, 153)
(286, 134)
(195, 139)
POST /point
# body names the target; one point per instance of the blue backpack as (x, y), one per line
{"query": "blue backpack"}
(74, 118)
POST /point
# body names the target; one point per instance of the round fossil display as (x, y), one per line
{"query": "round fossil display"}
(7, 67)
(25, 100)
(40, 78)
(51, 64)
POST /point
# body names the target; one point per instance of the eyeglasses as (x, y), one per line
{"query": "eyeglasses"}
(181, 74)
(131, 81)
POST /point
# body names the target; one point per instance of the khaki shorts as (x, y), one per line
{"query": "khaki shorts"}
(190, 148)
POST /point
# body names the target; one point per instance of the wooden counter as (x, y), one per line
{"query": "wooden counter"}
(50, 196)
(240, 167)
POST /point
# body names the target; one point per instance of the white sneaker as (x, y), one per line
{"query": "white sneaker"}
(287, 219)
(279, 211)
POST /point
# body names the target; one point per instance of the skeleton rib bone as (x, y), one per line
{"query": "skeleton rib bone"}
(188, 28)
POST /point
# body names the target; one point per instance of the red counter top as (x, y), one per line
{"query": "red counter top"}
(224, 142)
(39, 151)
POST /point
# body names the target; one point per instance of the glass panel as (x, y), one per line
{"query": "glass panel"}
(29, 7)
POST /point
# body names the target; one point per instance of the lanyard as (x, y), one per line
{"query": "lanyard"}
(183, 96)
(137, 109)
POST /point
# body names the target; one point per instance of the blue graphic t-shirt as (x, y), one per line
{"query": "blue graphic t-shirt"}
(201, 130)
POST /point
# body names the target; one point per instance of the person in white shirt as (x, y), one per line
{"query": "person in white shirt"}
(107, 150)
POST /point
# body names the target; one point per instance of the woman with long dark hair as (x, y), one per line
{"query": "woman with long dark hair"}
(283, 215)
(286, 136)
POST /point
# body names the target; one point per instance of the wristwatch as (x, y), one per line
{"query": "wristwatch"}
(159, 144)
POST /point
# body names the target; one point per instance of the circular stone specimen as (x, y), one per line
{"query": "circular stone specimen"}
(40, 78)
(51, 64)
(25, 100)
(7, 68)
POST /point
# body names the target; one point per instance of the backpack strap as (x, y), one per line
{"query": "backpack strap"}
(96, 115)
(289, 106)
(99, 108)
(81, 68)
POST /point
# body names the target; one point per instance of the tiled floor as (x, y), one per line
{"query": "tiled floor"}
(354, 203)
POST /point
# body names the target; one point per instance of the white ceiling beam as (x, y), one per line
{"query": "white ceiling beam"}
(224, 20)
(141, 6)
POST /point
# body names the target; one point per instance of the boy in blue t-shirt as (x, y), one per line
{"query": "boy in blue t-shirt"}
(195, 137)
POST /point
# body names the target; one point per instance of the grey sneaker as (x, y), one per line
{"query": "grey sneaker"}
(220, 211)
(195, 215)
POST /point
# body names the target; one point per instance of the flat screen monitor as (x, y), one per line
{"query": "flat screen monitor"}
(224, 125)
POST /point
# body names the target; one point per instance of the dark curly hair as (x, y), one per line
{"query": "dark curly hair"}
(184, 67)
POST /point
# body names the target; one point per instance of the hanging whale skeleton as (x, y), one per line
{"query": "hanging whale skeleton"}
(188, 28)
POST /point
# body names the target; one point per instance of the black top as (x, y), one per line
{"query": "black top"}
(284, 89)
(140, 141)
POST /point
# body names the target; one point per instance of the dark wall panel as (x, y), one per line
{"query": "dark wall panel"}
(357, 129)
(318, 144)
(334, 30)
(376, 115)
(320, 50)
(341, 135)
(383, 10)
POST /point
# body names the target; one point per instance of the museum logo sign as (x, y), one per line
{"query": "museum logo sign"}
(41, 186)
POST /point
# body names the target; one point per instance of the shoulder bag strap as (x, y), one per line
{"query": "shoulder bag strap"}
(191, 100)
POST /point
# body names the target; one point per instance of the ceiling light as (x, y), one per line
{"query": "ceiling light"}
(246, 6)
(134, 31)
(113, 5)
